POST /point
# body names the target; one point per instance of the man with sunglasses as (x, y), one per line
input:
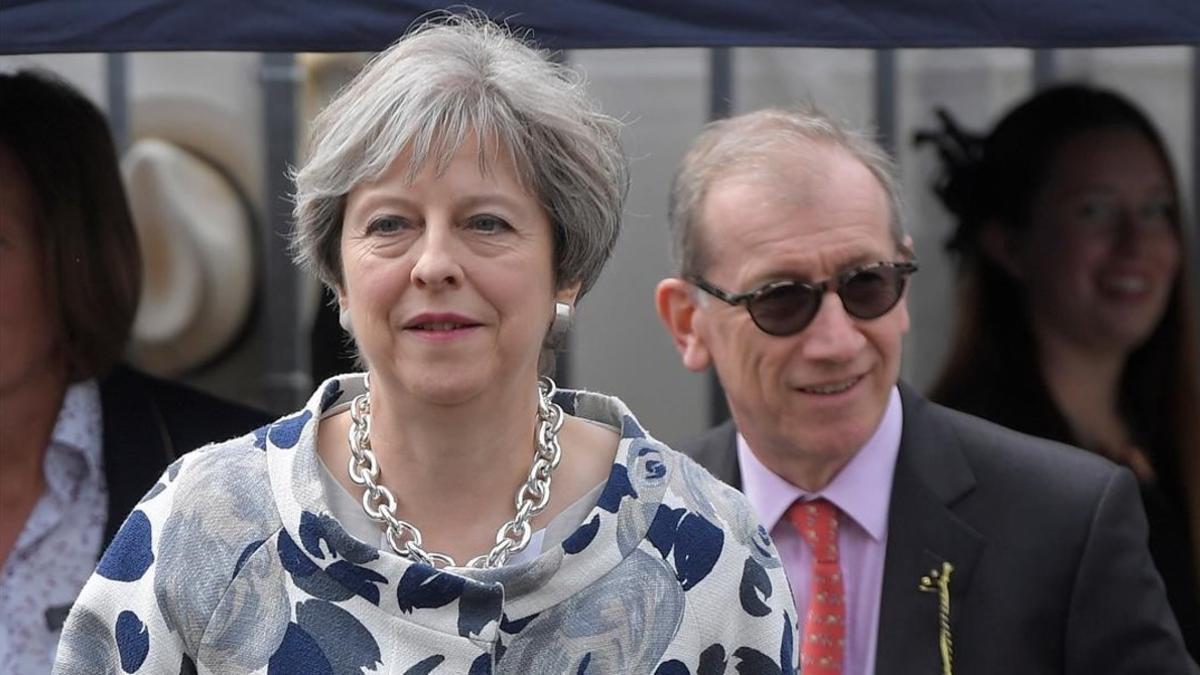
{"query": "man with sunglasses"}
(916, 539)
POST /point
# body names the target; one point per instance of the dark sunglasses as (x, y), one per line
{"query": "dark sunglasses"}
(787, 307)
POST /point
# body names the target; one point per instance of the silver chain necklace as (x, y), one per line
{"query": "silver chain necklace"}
(405, 539)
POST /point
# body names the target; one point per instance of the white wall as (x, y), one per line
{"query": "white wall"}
(619, 346)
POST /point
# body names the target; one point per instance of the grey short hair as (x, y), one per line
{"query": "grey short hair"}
(450, 77)
(732, 146)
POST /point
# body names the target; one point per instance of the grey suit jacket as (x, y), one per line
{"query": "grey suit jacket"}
(1048, 543)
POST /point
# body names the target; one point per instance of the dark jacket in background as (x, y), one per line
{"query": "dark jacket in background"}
(148, 423)
(1014, 399)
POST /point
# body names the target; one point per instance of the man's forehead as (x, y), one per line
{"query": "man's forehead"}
(812, 262)
(759, 223)
(797, 175)
(788, 171)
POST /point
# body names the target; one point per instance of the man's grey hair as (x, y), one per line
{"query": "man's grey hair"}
(742, 144)
(450, 80)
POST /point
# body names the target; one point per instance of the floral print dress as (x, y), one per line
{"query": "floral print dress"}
(232, 564)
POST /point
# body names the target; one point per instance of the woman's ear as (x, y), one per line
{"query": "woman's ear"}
(568, 293)
(564, 316)
(343, 309)
(1002, 246)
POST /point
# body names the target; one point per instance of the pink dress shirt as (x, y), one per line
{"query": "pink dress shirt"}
(862, 490)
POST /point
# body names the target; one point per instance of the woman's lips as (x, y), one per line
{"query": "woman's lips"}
(440, 326)
(1125, 285)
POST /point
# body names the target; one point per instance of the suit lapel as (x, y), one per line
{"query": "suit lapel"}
(716, 451)
(923, 533)
(136, 444)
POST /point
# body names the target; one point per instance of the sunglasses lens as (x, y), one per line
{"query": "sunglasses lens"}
(785, 309)
(870, 293)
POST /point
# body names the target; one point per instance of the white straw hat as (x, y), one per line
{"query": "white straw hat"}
(198, 251)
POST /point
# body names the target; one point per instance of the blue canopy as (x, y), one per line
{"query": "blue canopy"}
(35, 26)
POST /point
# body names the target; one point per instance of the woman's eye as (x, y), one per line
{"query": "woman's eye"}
(488, 224)
(386, 225)
(1162, 210)
(1097, 210)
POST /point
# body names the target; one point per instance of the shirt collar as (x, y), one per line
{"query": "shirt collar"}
(862, 489)
(79, 427)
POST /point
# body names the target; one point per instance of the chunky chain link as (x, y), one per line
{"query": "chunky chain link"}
(405, 539)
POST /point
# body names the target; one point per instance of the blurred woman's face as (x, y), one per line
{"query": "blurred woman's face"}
(29, 328)
(1103, 251)
(449, 278)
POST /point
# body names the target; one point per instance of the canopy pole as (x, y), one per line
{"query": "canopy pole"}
(720, 83)
(1195, 210)
(1045, 68)
(286, 381)
(720, 106)
(887, 91)
(118, 100)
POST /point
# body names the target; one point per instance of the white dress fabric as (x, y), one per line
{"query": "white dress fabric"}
(233, 563)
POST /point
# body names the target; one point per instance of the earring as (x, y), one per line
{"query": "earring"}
(344, 319)
(563, 314)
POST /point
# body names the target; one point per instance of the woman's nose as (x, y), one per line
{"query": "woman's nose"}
(437, 263)
(1136, 231)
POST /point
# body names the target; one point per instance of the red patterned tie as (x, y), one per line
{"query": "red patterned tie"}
(825, 624)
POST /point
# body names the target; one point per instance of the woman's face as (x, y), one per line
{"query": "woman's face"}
(1103, 251)
(449, 278)
(28, 315)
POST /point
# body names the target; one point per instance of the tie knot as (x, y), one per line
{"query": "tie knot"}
(816, 521)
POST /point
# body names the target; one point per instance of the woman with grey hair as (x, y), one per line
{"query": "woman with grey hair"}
(461, 195)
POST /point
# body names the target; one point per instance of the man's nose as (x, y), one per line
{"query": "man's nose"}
(833, 335)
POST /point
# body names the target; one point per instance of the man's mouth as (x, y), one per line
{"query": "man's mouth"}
(832, 387)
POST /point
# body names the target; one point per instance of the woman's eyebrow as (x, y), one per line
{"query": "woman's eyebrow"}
(375, 198)
(488, 198)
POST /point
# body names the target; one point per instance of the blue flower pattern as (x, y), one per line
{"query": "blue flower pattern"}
(129, 555)
(235, 565)
(133, 642)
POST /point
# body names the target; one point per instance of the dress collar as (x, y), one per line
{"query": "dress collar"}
(316, 544)
(78, 428)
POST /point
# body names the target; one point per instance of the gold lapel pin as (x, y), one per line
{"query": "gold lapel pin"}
(938, 581)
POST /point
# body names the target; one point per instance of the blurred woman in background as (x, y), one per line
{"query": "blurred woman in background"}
(82, 437)
(1074, 317)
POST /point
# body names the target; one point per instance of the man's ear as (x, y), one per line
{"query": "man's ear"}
(1001, 245)
(677, 307)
